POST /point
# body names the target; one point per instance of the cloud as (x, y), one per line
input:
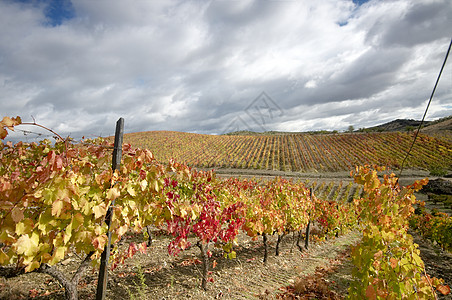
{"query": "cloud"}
(196, 66)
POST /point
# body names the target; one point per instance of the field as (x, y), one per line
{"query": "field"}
(296, 152)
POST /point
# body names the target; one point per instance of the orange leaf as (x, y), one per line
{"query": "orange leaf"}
(371, 293)
(378, 255)
(444, 289)
(10, 123)
(394, 262)
(3, 132)
(99, 242)
(17, 214)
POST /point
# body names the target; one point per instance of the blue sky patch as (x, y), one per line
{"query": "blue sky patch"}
(55, 11)
(360, 2)
(58, 11)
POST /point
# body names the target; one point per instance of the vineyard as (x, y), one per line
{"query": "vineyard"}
(296, 152)
(55, 198)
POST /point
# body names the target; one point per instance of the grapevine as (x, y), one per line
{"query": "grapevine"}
(387, 262)
(54, 200)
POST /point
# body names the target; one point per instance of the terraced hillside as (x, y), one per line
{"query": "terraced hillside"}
(296, 152)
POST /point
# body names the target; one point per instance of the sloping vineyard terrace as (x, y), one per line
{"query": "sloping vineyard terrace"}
(295, 152)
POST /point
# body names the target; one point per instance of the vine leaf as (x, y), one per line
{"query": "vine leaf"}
(444, 289)
(17, 214)
(371, 293)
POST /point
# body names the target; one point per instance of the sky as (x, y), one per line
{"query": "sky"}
(219, 66)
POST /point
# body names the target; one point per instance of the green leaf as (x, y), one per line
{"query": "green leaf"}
(44, 221)
(232, 255)
(68, 232)
(4, 258)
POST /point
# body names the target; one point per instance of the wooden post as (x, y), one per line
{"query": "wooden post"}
(103, 272)
(306, 241)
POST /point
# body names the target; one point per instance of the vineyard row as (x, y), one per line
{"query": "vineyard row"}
(295, 152)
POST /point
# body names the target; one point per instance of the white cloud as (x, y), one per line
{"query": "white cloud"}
(195, 65)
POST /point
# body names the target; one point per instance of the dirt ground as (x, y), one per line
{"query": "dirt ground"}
(246, 277)
(438, 263)
(168, 277)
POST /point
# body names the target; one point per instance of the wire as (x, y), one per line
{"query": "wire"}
(426, 109)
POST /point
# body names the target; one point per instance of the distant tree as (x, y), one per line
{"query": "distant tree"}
(351, 128)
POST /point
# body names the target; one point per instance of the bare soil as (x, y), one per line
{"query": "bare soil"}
(168, 277)
(246, 277)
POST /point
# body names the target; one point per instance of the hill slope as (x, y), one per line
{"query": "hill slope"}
(296, 152)
(441, 129)
(398, 125)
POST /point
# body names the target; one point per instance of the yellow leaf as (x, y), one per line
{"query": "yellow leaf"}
(99, 210)
(37, 194)
(33, 266)
(10, 123)
(115, 177)
(143, 184)
(24, 227)
(67, 233)
(131, 191)
(122, 230)
(26, 245)
(113, 193)
(58, 255)
(132, 205)
(57, 208)
(183, 213)
(155, 185)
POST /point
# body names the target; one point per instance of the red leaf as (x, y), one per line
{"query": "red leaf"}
(33, 293)
(132, 249)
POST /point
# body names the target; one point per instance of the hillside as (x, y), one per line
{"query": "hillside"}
(398, 125)
(440, 130)
(296, 152)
